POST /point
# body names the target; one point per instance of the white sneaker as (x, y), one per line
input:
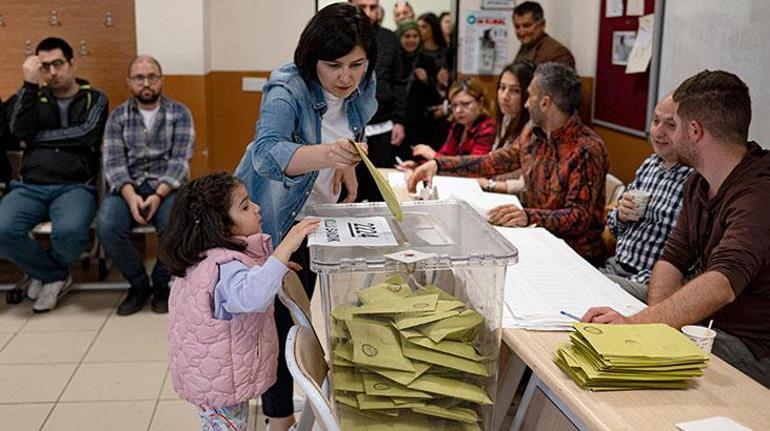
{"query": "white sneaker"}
(33, 288)
(50, 294)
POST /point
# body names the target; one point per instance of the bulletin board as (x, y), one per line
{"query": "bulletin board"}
(623, 101)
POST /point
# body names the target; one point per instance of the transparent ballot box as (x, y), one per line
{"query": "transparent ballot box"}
(413, 329)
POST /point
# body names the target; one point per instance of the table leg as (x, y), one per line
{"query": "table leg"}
(507, 389)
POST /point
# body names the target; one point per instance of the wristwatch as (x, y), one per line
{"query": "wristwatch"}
(490, 185)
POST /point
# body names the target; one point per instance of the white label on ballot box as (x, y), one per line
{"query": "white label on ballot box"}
(353, 231)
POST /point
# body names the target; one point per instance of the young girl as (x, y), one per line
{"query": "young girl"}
(222, 340)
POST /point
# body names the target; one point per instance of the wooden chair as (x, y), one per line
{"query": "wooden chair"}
(307, 365)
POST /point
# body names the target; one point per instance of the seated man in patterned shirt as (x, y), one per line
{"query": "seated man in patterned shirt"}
(563, 162)
(641, 240)
(148, 144)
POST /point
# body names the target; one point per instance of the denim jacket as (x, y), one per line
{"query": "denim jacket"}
(290, 116)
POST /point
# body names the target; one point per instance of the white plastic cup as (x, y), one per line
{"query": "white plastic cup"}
(641, 198)
(702, 336)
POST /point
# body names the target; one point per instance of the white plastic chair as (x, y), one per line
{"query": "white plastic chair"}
(614, 189)
(307, 365)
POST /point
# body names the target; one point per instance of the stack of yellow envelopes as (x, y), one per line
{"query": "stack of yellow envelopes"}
(618, 357)
(408, 360)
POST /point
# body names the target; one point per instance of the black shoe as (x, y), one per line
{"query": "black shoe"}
(137, 297)
(159, 303)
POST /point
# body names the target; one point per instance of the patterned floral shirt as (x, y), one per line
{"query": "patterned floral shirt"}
(564, 176)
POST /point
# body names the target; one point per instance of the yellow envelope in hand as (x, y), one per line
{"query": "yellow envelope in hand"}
(377, 345)
(382, 184)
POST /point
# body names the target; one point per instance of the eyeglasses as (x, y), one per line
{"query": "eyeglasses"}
(57, 65)
(462, 105)
(139, 79)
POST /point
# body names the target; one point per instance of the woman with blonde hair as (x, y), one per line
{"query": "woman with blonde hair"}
(473, 126)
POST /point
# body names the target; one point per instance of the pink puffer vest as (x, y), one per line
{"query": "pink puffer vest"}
(217, 363)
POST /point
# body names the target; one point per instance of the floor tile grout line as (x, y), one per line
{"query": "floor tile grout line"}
(77, 367)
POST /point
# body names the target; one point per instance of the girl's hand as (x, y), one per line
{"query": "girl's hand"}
(424, 151)
(294, 266)
(293, 239)
(343, 154)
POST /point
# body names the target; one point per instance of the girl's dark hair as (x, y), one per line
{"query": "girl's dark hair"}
(524, 70)
(199, 221)
(332, 33)
(435, 27)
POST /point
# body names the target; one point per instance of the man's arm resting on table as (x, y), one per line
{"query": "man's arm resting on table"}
(665, 280)
(697, 300)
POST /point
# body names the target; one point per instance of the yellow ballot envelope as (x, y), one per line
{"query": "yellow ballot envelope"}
(383, 185)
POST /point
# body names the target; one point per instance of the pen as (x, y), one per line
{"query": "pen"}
(571, 316)
(399, 161)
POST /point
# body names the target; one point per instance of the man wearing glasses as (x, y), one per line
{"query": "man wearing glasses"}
(60, 119)
(148, 144)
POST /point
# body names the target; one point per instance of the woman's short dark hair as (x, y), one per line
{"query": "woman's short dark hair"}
(523, 70)
(199, 221)
(332, 33)
(434, 23)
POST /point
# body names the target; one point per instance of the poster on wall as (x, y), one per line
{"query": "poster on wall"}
(498, 4)
(622, 43)
(484, 41)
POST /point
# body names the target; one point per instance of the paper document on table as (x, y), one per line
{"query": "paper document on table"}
(549, 278)
(716, 423)
(483, 202)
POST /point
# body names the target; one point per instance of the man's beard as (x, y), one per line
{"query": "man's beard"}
(148, 100)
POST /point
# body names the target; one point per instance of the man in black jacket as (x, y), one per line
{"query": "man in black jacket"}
(61, 123)
(5, 165)
(386, 128)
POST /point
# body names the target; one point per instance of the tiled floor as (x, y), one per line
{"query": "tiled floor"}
(81, 368)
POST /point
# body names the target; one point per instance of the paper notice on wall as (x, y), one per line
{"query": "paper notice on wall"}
(353, 231)
(613, 9)
(484, 41)
(635, 8)
(641, 53)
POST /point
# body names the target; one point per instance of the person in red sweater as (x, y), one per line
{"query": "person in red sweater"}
(473, 127)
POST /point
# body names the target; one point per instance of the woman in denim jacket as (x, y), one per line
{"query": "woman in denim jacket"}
(302, 153)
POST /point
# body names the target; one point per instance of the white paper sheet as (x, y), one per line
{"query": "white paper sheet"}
(353, 231)
(613, 9)
(635, 8)
(641, 53)
(549, 278)
(716, 423)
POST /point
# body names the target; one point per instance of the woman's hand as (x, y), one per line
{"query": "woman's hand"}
(424, 151)
(406, 166)
(346, 176)
(343, 154)
(421, 74)
(443, 77)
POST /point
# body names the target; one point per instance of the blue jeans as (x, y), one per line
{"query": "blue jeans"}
(113, 226)
(70, 207)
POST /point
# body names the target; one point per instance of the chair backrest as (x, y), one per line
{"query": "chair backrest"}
(613, 188)
(294, 297)
(306, 363)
